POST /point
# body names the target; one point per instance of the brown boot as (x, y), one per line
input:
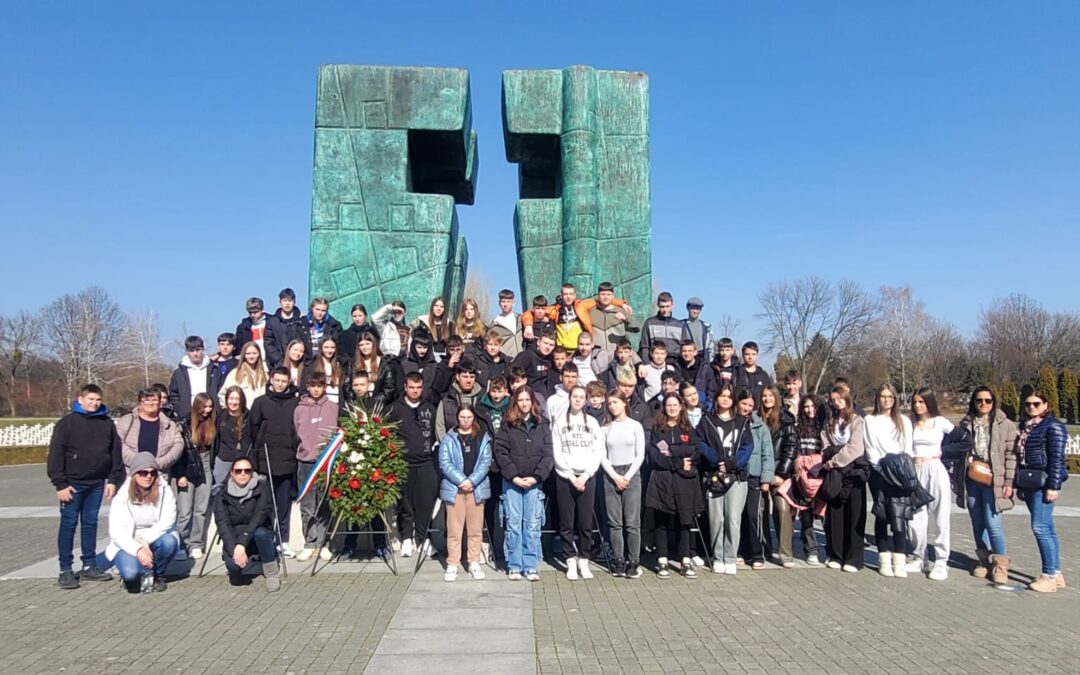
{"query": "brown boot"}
(982, 568)
(999, 573)
(1044, 584)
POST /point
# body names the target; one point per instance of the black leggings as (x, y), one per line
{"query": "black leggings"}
(576, 511)
(664, 523)
(897, 543)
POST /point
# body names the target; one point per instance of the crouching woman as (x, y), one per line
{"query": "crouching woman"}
(243, 513)
(142, 528)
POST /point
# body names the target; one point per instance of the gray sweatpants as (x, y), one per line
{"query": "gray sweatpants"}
(725, 521)
(315, 520)
(624, 516)
(193, 508)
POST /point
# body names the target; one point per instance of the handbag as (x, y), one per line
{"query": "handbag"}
(979, 472)
(1030, 479)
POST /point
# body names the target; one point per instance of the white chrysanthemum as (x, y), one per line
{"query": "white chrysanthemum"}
(355, 457)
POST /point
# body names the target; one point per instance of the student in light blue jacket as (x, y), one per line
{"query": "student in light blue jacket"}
(464, 461)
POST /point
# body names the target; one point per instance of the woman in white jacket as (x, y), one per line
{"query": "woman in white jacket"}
(887, 433)
(578, 444)
(142, 528)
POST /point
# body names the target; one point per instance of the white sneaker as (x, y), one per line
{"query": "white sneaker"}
(583, 568)
(833, 565)
(515, 576)
(813, 561)
(286, 551)
(698, 562)
(196, 553)
(325, 553)
(571, 569)
(913, 567)
(850, 568)
(532, 575)
(450, 574)
(717, 567)
(429, 550)
(731, 568)
(475, 571)
(305, 554)
(408, 548)
(940, 571)
(181, 554)
(395, 544)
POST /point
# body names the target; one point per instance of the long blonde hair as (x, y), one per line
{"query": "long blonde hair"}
(254, 376)
(136, 495)
(370, 363)
(333, 370)
(287, 362)
(463, 327)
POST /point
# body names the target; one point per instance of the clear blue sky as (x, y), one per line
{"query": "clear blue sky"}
(165, 152)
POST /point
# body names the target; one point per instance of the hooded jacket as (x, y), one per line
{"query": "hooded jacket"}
(491, 414)
(280, 331)
(180, 395)
(452, 464)
(315, 421)
(84, 448)
(490, 368)
(537, 367)
(271, 431)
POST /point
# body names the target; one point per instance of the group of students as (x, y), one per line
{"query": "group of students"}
(554, 414)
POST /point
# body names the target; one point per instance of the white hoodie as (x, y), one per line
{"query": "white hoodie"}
(578, 444)
(196, 375)
(130, 525)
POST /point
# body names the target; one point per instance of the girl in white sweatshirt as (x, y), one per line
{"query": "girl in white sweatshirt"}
(887, 433)
(578, 444)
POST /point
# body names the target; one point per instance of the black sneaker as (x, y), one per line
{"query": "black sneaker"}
(159, 584)
(94, 574)
(67, 580)
(618, 568)
(633, 571)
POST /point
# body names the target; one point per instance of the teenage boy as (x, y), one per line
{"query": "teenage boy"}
(662, 328)
(283, 326)
(559, 401)
(195, 375)
(571, 317)
(272, 434)
(252, 328)
(669, 384)
(492, 362)
(792, 391)
(507, 325)
(623, 366)
(696, 330)
(225, 359)
(535, 323)
(489, 414)
(584, 357)
(315, 418)
(749, 375)
(609, 321)
(724, 363)
(358, 393)
(319, 325)
(537, 363)
(443, 376)
(694, 369)
(651, 374)
(638, 409)
(416, 427)
(464, 391)
(517, 377)
(84, 466)
(559, 358)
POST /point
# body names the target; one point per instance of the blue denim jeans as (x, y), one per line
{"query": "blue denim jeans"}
(164, 548)
(524, 512)
(82, 510)
(986, 522)
(262, 540)
(1042, 526)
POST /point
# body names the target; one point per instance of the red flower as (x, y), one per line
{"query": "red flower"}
(684, 438)
(356, 509)
(376, 420)
(391, 479)
(384, 432)
(376, 475)
(393, 454)
(335, 493)
(341, 469)
(354, 483)
(392, 445)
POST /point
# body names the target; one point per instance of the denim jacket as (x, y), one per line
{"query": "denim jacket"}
(452, 463)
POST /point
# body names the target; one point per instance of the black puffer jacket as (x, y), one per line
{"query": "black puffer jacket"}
(390, 382)
(786, 444)
(270, 424)
(524, 450)
(896, 490)
(236, 520)
(281, 331)
(671, 488)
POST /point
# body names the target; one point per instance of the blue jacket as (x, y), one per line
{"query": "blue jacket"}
(452, 464)
(1045, 449)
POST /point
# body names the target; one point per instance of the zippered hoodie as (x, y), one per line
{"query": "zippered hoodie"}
(84, 448)
(577, 444)
(315, 421)
(129, 523)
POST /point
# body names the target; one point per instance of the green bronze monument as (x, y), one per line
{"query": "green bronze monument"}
(581, 138)
(394, 153)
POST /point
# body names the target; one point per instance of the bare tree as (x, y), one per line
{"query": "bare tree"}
(811, 321)
(142, 344)
(85, 333)
(1016, 335)
(725, 325)
(904, 331)
(17, 340)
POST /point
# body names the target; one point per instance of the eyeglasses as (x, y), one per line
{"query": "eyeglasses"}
(984, 401)
(241, 472)
(1033, 404)
(147, 473)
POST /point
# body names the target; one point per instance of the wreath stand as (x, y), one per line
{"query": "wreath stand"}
(329, 535)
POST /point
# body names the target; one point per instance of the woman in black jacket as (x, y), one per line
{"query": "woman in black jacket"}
(229, 440)
(781, 424)
(523, 453)
(242, 512)
(674, 492)
(384, 372)
(193, 473)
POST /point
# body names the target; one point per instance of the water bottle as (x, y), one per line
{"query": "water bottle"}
(147, 582)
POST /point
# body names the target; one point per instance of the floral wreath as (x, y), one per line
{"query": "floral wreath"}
(367, 475)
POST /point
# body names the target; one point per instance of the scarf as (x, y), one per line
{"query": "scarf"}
(245, 493)
(1025, 431)
(840, 434)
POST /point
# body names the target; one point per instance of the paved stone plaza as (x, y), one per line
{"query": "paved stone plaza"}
(358, 617)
